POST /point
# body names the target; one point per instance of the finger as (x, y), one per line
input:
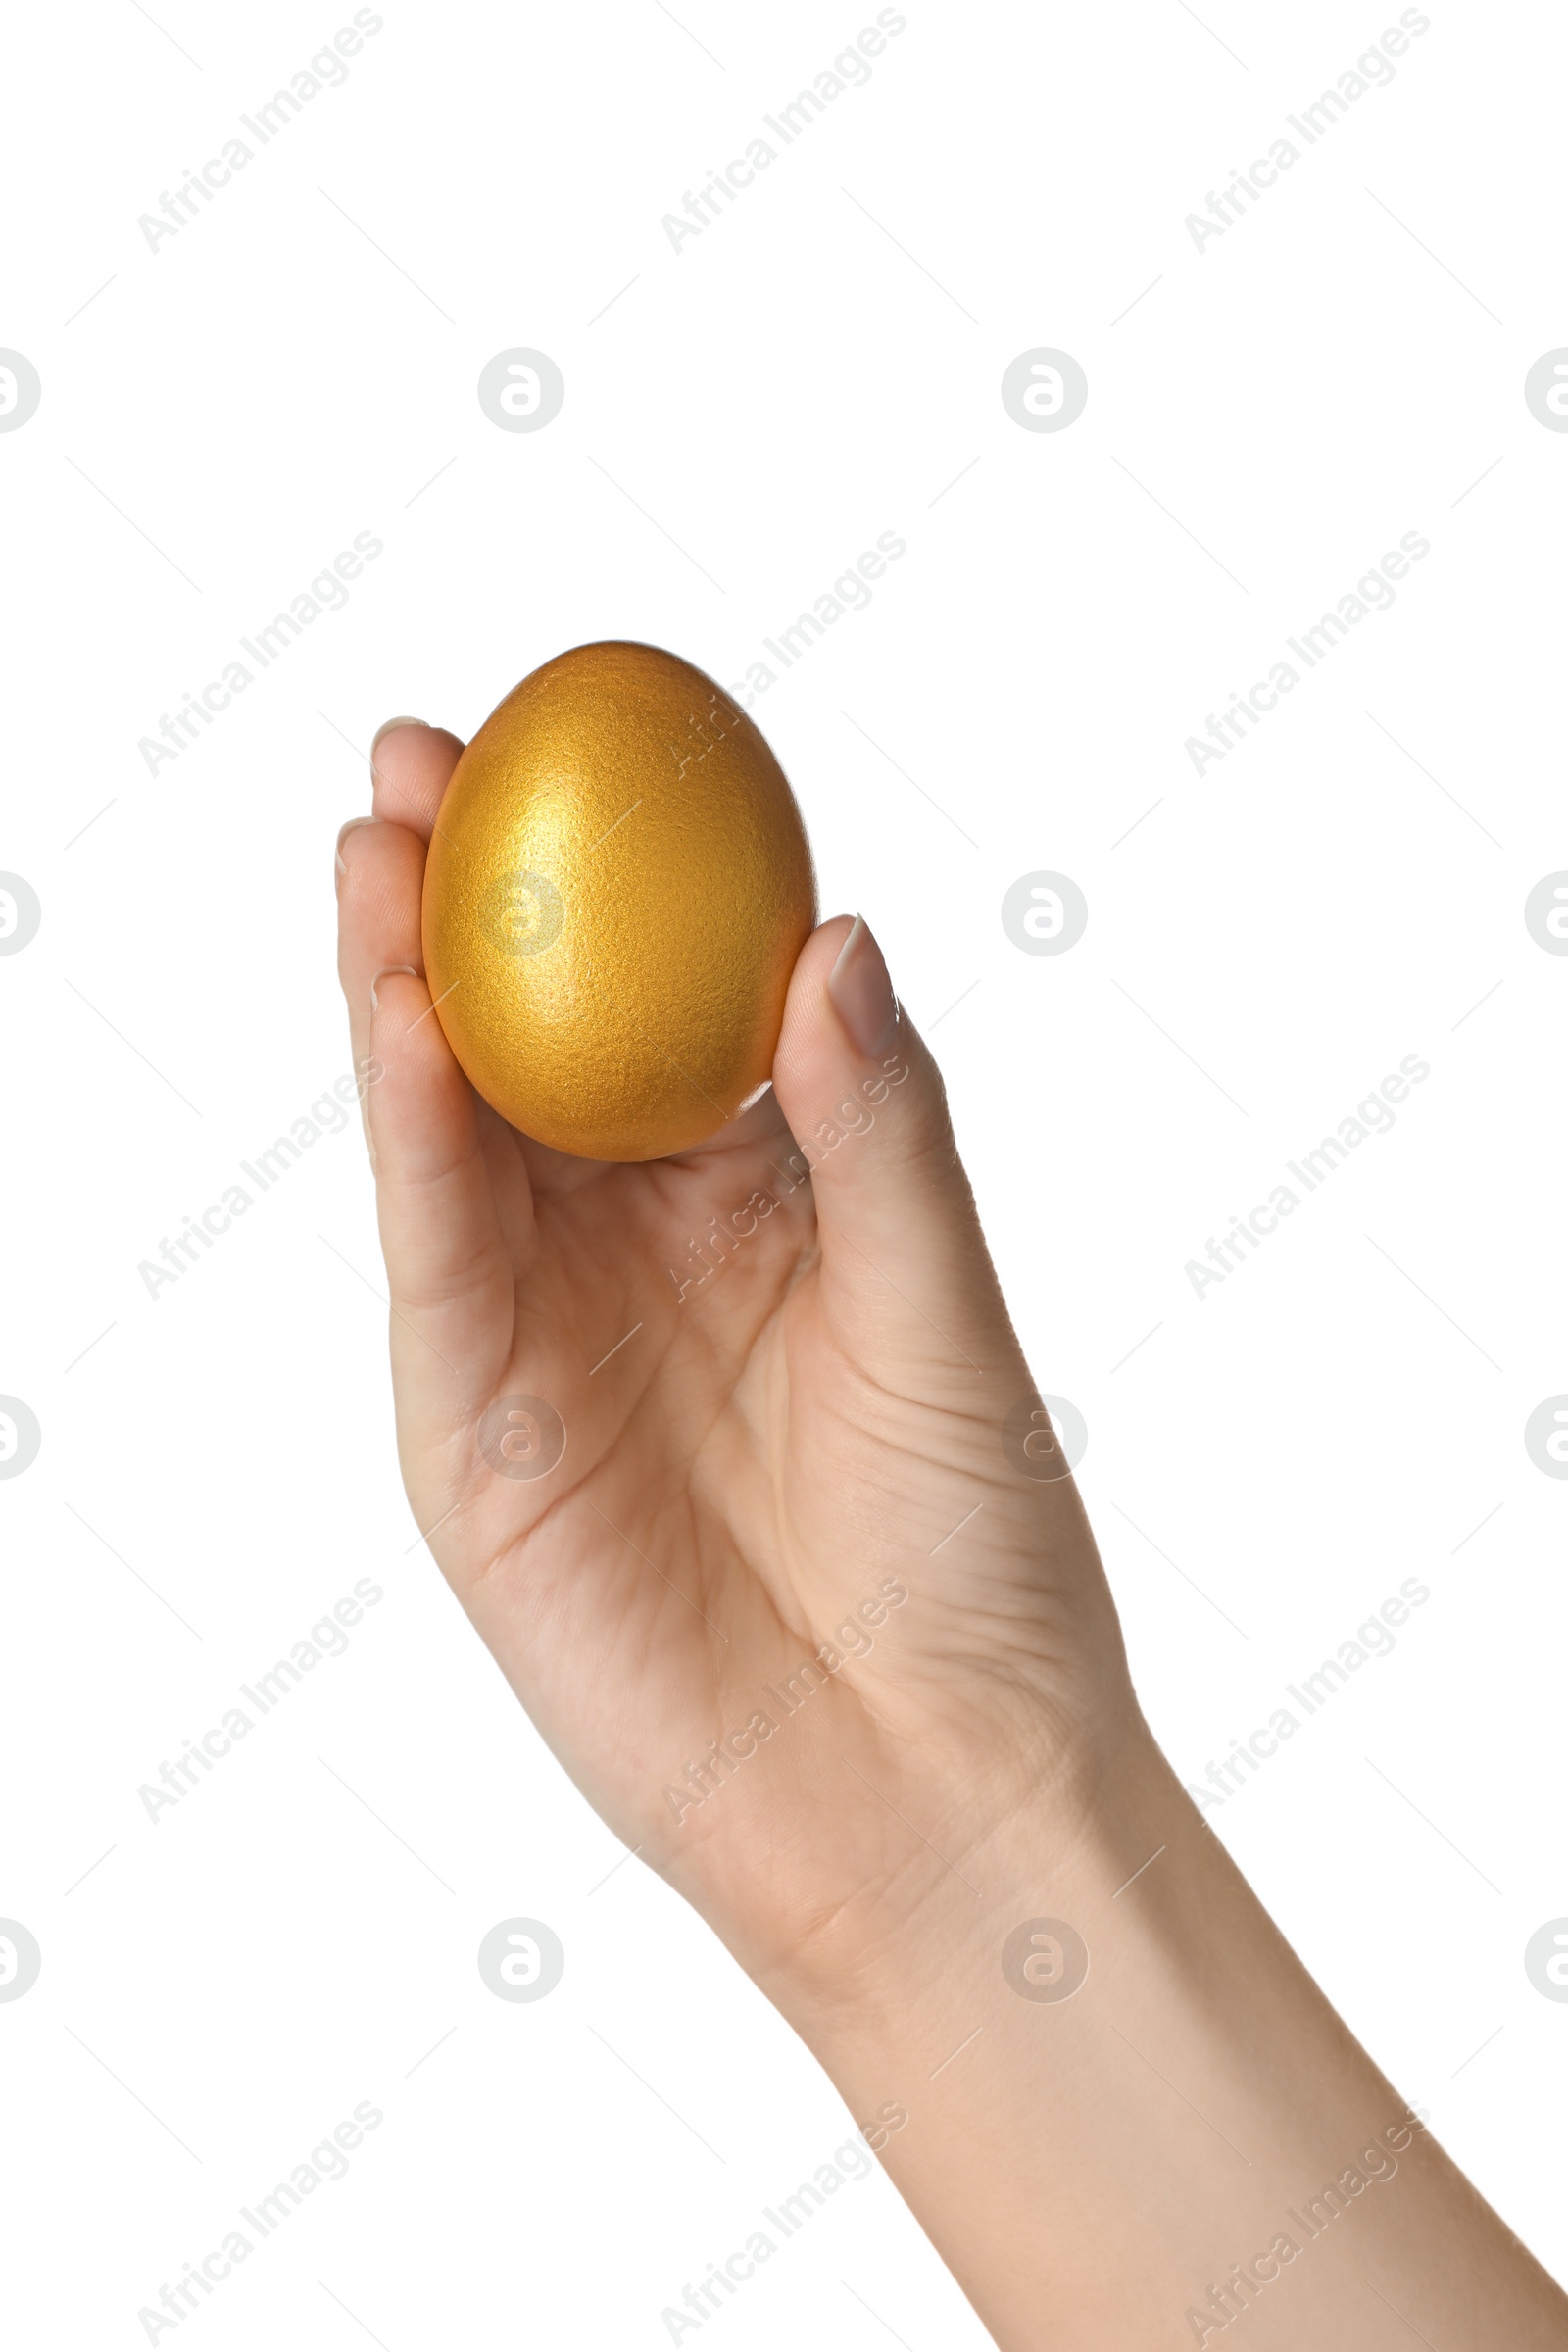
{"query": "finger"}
(410, 766)
(378, 896)
(449, 1268)
(359, 1019)
(448, 1265)
(901, 1247)
(408, 779)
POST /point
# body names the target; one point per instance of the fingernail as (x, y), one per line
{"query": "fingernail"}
(386, 727)
(384, 974)
(861, 993)
(343, 833)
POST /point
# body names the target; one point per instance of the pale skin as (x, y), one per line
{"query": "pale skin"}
(813, 1425)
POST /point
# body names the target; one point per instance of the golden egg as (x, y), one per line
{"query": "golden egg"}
(617, 887)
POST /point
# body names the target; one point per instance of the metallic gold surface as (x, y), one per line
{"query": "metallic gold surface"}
(617, 887)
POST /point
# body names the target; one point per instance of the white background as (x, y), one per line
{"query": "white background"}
(298, 365)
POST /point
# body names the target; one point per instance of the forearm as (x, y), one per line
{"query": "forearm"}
(1093, 2167)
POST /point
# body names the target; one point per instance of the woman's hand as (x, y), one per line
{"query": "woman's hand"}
(730, 1459)
(799, 1625)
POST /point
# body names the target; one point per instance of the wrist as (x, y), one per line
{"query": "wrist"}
(1113, 2097)
(1092, 2065)
(911, 1960)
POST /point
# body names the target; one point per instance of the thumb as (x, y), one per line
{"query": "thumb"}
(903, 1254)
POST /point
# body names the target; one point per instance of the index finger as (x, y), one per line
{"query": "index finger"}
(409, 764)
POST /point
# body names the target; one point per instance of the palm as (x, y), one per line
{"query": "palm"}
(751, 1463)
